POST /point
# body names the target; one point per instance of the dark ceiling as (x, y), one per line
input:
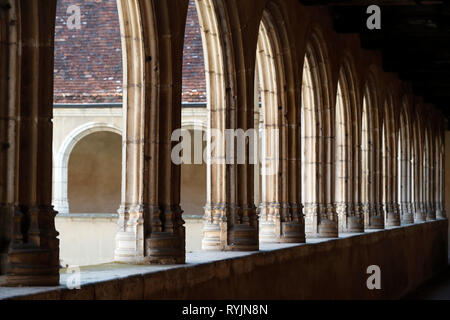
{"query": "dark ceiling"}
(414, 40)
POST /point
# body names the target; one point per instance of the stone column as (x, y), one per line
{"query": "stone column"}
(440, 210)
(348, 163)
(33, 255)
(358, 218)
(428, 171)
(329, 221)
(150, 224)
(280, 218)
(406, 213)
(321, 219)
(417, 167)
(9, 126)
(377, 219)
(231, 219)
(390, 205)
(370, 156)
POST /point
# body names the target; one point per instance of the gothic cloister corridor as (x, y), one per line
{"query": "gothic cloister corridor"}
(224, 149)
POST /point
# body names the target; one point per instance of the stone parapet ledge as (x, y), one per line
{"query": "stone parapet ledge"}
(407, 257)
(79, 216)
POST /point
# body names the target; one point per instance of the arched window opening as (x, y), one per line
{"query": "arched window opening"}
(94, 174)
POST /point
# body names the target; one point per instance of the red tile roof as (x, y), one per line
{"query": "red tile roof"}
(88, 62)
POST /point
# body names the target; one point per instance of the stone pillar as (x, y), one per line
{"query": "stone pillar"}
(329, 220)
(348, 157)
(390, 205)
(150, 224)
(357, 219)
(440, 210)
(370, 156)
(231, 219)
(417, 169)
(404, 169)
(281, 219)
(9, 126)
(33, 254)
(321, 219)
(427, 183)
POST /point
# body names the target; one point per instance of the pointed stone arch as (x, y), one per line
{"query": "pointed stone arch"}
(370, 156)
(389, 155)
(348, 163)
(281, 219)
(231, 220)
(150, 224)
(60, 181)
(317, 142)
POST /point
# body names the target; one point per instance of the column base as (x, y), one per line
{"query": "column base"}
(291, 232)
(214, 228)
(373, 216)
(392, 216)
(130, 237)
(321, 221)
(430, 212)
(419, 215)
(406, 213)
(440, 212)
(350, 217)
(164, 248)
(273, 230)
(219, 236)
(28, 267)
(242, 238)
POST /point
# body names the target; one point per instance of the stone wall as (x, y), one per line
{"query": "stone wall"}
(88, 239)
(407, 256)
